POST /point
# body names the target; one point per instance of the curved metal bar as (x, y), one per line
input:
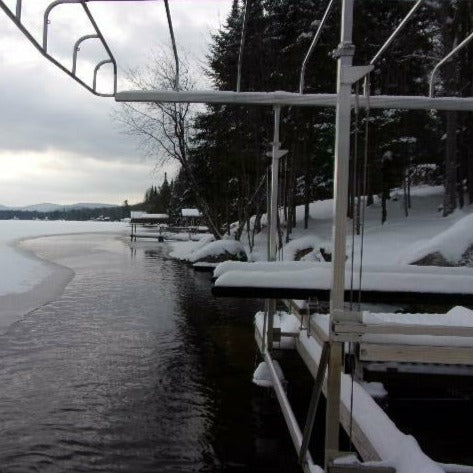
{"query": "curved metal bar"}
(313, 44)
(97, 67)
(173, 40)
(444, 60)
(242, 45)
(105, 45)
(388, 42)
(76, 49)
(46, 19)
(33, 41)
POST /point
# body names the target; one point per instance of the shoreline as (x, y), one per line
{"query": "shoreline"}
(16, 305)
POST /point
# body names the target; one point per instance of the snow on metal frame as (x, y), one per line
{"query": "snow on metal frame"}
(407, 102)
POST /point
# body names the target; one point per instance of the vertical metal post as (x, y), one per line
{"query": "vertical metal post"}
(276, 154)
(342, 152)
(242, 45)
(18, 10)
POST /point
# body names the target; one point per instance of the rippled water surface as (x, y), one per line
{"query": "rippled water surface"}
(135, 368)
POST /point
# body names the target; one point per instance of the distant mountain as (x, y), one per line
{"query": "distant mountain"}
(48, 207)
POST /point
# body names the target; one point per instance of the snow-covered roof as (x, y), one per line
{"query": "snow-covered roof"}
(190, 213)
(134, 215)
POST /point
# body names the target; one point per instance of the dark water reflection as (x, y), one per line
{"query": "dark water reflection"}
(135, 368)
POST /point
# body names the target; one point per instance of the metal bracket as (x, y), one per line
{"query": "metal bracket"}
(278, 153)
(347, 332)
(352, 74)
(347, 49)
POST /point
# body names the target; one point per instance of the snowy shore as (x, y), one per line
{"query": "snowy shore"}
(27, 281)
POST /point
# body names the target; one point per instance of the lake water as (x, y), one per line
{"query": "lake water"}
(136, 368)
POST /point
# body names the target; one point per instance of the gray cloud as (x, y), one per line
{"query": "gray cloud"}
(43, 111)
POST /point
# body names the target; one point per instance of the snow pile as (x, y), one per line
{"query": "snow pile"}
(304, 249)
(219, 250)
(451, 243)
(184, 250)
(262, 375)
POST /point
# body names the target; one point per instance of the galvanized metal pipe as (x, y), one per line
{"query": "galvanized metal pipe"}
(273, 230)
(97, 67)
(313, 45)
(390, 40)
(444, 60)
(314, 401)
(408, 102)
(173, 41)
(76, 49)
(393, 35)
(287, 412)
(35, 43)
(18, 10)
(342, 154)
(242, 46)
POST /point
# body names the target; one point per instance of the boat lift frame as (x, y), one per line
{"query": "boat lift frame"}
(344, 324)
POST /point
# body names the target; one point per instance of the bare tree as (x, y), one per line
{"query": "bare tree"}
(164, 129)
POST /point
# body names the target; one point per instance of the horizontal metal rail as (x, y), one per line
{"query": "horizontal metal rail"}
(295, 99)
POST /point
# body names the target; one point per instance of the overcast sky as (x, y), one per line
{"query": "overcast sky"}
(58, 142)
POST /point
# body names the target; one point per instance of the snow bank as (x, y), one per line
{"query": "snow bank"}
(184, 250)
(227, 249)
(451, 243)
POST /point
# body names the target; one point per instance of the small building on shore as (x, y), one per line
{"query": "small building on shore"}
(143, 218)
(191, 217)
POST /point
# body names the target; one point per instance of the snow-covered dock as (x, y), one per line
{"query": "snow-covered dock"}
(380, 283)
(375, 436)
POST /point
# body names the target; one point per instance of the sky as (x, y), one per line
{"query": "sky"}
(58, 142)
